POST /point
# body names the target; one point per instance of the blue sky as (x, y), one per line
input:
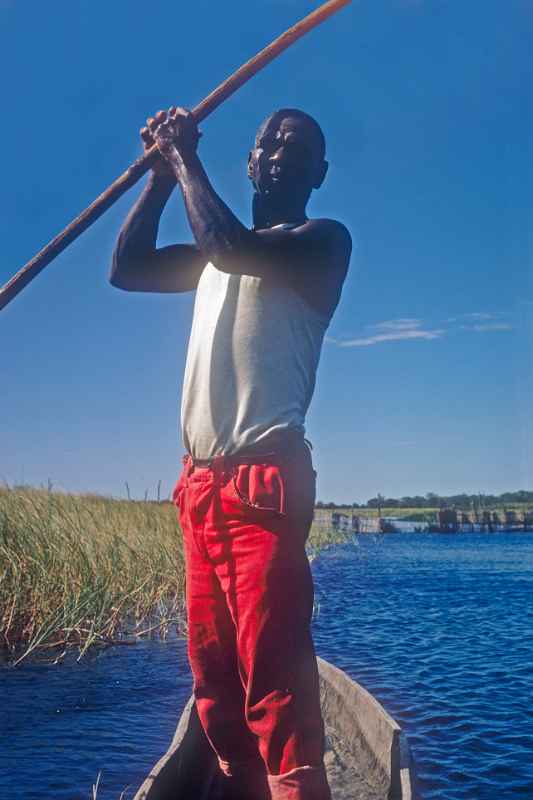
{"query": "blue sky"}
(426, 380)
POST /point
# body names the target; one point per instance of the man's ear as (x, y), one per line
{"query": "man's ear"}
(320, 175)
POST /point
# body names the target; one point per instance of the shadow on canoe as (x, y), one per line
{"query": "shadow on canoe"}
(367, 757)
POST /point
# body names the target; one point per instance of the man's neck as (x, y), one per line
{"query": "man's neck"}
(266, 215)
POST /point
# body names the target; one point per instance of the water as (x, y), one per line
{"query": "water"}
(115, 712)
(439, 628)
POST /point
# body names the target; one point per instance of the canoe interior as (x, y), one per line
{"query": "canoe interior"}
(367, 757)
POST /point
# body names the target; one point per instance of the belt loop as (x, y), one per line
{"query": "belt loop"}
(218, 465)
(188, 463)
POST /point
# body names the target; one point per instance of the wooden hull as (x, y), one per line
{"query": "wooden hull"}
(367, 757)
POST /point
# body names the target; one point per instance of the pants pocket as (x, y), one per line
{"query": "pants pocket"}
(260, 487)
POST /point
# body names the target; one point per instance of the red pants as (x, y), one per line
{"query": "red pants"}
(249, 605)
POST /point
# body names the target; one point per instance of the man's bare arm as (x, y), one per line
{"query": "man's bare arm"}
(138, 265)
(313, 258)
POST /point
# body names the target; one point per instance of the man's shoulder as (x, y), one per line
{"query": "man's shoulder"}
(328, 226)
(331, 246)
(323, 237)
(320, 228)
(330, 229)
(311, 258)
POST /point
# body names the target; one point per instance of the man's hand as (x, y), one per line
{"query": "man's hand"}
(160, 167)
(176, 135)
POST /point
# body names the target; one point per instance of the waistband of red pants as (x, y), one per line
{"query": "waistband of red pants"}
(283, 449)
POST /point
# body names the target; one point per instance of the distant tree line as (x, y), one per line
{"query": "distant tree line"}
(432, 500)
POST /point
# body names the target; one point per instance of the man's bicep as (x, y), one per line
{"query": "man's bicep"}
(297, 251)
(305, 255)
(176, 268)
(314, 262)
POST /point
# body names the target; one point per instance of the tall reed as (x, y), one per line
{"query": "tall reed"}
(85, 570)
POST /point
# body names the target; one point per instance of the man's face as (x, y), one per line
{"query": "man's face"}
(284, 157)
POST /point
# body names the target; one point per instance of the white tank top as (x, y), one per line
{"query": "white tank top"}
(251, 363)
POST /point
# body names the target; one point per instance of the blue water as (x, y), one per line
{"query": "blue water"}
(115, 712)
(439, 628)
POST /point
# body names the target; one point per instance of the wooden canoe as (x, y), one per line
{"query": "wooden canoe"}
(367, 756)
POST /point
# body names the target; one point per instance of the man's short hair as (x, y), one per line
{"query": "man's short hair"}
(318, 138)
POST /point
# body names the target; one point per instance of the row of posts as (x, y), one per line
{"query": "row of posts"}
(452, 521)
(449, 520)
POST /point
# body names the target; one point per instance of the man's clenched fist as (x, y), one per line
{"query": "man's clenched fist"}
(176, 135)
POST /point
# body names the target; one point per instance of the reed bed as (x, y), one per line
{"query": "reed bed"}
(84, 571)
(79, 571)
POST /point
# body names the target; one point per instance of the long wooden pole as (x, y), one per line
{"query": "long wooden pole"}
(143, 164)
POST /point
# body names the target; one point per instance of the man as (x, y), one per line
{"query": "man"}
(246, 495)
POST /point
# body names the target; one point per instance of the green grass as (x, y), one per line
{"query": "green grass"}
(402, 513)
(322, 536)
(84, 571)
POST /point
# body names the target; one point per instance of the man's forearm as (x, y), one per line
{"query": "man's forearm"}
(219, 234)
(138, 235)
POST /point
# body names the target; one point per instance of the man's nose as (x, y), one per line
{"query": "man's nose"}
(278, 155)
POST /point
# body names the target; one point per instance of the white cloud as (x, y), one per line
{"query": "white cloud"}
(413, 329)
(394, 330)
(490, 326)
(391, 337)
(477, 316)
(404, 323)
(483, 315)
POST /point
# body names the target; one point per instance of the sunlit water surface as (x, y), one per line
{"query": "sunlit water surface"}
(439, 628)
